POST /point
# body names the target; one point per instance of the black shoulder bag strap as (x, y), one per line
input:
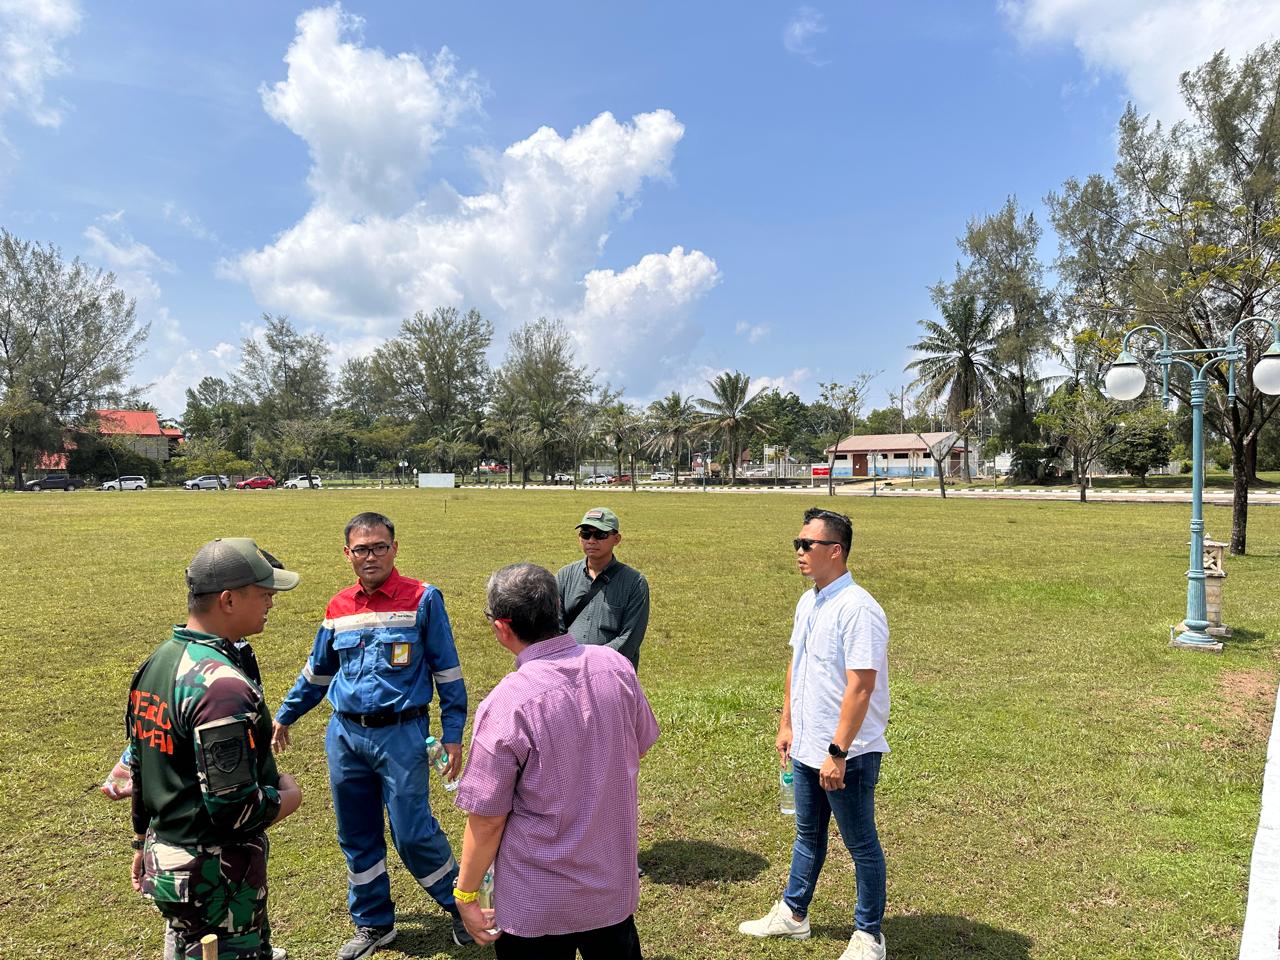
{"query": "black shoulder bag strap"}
(571, 614)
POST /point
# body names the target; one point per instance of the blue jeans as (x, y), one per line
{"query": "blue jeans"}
(855, 810)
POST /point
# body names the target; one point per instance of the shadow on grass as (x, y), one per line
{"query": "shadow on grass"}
(1243, 638)
(697, 861)
(936, 936)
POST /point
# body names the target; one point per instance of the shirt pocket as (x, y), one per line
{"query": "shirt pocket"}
(350, 649)
(610, 617)
(399, 651)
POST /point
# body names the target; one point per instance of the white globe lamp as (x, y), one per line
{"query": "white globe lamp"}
(1125, 380)
(1266, 375)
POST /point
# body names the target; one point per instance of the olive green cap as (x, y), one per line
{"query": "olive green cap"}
(602, 518)
(234, 562)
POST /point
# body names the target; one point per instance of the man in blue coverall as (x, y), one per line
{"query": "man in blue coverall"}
(384, 642)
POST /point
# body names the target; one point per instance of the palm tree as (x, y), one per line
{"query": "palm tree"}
(958, 361)
(673, 417)
(729, 413)
(504, 422)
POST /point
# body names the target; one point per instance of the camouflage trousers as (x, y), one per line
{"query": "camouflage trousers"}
(218, 890)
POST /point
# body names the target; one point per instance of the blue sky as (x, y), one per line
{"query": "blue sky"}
(690, 187)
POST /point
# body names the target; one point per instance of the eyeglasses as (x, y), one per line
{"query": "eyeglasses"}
(805, 544)
(363, 551)
(488, 615)
(592, 533)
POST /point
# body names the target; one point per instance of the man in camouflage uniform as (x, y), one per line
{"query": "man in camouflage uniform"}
(205, 783)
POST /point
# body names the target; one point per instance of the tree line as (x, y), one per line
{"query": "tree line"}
(1184, 232)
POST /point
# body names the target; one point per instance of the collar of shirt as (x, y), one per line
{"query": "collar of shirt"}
(545, 648)
(184, 635)
(387, 587)
(604, 574)
(835, 586)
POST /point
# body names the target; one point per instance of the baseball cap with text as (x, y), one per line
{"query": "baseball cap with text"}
(233, 562)
(602, 518)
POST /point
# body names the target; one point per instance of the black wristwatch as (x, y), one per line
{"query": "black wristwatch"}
(137, 844)
(837, 752)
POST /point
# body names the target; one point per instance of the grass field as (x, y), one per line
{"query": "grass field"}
(1062, 784)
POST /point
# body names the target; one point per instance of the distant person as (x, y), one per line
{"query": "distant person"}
(604, 602)
(550, 788)
(384, 643)
(204, 783)
(832, 734)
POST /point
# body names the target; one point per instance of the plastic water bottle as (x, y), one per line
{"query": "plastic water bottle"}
(787, 792)
(119, 783)
(439, 758)
(486, 890)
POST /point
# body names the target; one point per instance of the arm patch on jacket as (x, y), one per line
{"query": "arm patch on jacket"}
(225, 752)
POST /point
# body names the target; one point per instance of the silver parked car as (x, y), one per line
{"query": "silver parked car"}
(209, 481)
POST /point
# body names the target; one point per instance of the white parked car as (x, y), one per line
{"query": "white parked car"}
(597, 481)
(208, 482)
(300, 482)
(563, 478)
(125, 483)
(660, 475)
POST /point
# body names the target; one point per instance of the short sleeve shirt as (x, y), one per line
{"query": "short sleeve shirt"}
(837, 629)
(556, 749)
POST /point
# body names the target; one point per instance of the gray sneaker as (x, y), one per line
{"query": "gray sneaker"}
(366, 941)
(460, 935)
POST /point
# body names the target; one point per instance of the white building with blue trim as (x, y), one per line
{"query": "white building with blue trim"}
(899, 455)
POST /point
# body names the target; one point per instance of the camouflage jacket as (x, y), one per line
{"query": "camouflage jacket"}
(200, 735)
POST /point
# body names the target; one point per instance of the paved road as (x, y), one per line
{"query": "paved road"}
(1217, 497)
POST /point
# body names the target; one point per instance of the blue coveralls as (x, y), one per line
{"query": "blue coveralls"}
(377, 655)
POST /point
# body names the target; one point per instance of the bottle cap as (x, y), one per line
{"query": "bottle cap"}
(430, 741)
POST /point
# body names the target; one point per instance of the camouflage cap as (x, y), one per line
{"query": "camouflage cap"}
(233, 562)
(602, 518)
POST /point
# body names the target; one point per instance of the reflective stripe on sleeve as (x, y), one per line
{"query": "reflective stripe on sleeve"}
(447, 676)
(319, 679)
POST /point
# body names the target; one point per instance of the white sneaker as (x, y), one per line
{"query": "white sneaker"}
(864, 946)
(778, 922)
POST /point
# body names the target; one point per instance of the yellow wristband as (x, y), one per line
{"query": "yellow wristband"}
(462, 897)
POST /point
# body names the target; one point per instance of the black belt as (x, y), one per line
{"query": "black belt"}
(387, 718)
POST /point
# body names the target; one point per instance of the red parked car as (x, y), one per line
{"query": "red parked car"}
(621, 478)
(256, 483)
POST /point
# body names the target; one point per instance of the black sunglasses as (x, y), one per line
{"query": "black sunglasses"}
(593, 533)
(805, 544)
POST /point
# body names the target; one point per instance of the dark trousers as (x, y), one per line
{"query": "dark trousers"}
(618, 942)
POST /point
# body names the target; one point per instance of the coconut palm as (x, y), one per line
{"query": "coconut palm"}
(672, 418)
(958, 363)
(728, 413)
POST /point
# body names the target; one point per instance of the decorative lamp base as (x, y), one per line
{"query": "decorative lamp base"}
(1221, 631)
(1188, 640)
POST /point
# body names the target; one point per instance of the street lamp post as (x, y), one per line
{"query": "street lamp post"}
(1126, 380)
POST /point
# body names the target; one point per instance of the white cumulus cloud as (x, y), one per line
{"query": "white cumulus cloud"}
(377, 244)
(30, 31)
(371, 120)
(754, 332)
(1147, 42)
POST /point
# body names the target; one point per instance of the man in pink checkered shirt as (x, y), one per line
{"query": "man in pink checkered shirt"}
(550, 787)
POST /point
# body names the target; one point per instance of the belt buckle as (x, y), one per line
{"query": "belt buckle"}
(364, 718)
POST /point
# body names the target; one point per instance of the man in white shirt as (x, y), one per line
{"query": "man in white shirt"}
(832, 734)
